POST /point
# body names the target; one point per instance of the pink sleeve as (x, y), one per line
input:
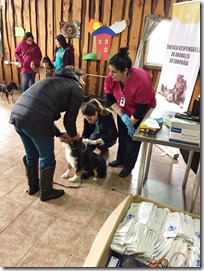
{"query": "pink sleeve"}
(145, 90)
(17, 53)
(108, 85)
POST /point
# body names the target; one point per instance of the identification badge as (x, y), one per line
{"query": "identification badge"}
(122, 101)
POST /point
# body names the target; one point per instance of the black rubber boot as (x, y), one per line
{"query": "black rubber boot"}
(32, 177)
(46, 183)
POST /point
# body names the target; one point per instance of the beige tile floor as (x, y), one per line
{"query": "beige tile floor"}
(59, 233)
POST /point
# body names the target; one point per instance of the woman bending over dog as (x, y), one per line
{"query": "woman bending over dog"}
(99, 127)
(33, 117)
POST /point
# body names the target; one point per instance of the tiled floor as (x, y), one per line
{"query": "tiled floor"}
(60, 232)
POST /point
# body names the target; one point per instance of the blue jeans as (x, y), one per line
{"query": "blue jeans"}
(37, 146)
(28, 80)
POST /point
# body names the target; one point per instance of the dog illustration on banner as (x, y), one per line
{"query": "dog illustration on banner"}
(176, 95)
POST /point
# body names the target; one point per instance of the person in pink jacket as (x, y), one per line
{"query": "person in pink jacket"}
(28, 51)
(130, 93)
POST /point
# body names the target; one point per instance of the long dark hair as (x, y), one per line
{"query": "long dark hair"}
(89, 108)
(28, 35)
(46, 59)
(121, 60)
(61, 40)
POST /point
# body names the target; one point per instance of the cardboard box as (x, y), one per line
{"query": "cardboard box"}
(100, 252)
(184, 131)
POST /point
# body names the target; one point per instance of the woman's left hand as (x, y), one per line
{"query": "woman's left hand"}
(65, 138)
(131, 130)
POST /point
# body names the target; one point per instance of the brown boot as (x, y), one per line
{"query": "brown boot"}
(32, 177)
(46, 183)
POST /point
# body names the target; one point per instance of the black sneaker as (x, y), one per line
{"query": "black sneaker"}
(115, 163)
(124, 172)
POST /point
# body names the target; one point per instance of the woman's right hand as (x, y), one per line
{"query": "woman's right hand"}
(32, 65)
(65, 138)
(18, 65)
(76, 137)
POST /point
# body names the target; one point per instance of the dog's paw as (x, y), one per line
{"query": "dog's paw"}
(95, 179)
(73, 179)
(65, 175)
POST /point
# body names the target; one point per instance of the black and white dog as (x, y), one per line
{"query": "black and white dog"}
(7, 90)
(86, 163)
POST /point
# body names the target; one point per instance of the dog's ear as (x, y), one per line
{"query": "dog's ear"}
(77, 144)
(14, 85)
(11, 86)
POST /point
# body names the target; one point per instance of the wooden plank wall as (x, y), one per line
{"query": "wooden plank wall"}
(42, 18)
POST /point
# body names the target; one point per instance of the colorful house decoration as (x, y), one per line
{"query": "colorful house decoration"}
(103, 36)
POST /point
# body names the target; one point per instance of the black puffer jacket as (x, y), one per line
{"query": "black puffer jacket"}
(39, 106)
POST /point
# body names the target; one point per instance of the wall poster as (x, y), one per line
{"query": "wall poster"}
(182, 59)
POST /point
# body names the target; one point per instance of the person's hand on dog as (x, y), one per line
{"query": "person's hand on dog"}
(93, 142)
(76, 137)
(89, 141)
(100, 141)
(64, 137)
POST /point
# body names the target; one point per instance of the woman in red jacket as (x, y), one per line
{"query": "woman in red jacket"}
(28, 51)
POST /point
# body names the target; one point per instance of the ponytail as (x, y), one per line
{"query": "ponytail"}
(121, 60)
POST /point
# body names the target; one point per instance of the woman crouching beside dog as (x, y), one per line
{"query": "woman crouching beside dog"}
(99, 127)
(33, 117)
